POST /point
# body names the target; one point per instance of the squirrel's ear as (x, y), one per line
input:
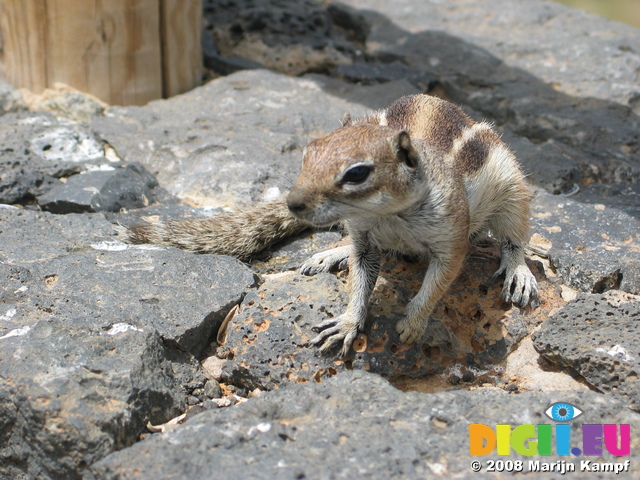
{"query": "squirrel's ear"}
(404, 149)
(346, 119)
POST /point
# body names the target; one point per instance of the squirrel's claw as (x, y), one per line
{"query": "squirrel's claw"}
(520, 288)
(333, 331)
(411, 330)
(328, 261)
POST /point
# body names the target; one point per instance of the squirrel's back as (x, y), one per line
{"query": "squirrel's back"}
(492, 177)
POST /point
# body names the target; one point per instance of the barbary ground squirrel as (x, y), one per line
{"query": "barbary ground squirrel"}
(419, 178)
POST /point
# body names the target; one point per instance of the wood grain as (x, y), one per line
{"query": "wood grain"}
(122, 51)
(182, 45)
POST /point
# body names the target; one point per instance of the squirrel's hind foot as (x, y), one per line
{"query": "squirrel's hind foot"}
(520, 287)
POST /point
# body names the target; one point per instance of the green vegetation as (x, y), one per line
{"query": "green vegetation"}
(625, 11)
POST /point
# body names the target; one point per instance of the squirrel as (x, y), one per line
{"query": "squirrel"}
(419, 178)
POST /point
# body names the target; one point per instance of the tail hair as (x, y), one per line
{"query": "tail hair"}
(241, 234)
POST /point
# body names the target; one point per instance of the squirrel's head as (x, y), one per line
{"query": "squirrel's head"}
(356, 171)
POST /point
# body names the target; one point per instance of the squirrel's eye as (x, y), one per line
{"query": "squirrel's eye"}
(356, 175)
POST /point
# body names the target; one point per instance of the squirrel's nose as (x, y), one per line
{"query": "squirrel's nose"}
(296, 206)
(296, 203)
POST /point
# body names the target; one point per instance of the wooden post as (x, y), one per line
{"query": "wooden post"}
(122, 51)
(181, 45)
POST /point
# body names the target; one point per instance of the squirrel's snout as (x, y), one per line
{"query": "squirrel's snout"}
(296, 203)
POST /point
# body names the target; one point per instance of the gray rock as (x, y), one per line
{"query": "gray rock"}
(244, 134)
(267, 339)
(36, 149)
(10, 99)
(170, 209)
(66, 142)
(212, 389)
(173, 292)
(230, 64)
(373, 73)
(114, 187)
(21, 185)
(223, 65)
(560, 172)
(593, 246)
(97, 338)
(291, 37)
(72, 391)
(41, 236)
(354, 425)
(373, 97)
(55, 143)
(620, 196)
(599, 337)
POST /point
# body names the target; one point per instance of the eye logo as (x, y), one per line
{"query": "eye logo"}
(562, 412)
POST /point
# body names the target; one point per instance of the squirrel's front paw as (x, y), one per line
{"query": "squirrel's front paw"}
(411, 329)
(334, 259)
(335, 330)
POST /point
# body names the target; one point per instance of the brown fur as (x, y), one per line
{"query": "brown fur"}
(474, 153)
(430, 119)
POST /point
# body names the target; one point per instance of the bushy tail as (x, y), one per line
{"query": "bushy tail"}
(240, 234)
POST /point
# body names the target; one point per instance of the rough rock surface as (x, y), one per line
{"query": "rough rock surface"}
(97, 338)
(597, 336)
(73, 391)
(594, 246)
(290, 37)
(38, 149)
(110, 188)
(472, 327)
(177, 294)
(312, 431)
